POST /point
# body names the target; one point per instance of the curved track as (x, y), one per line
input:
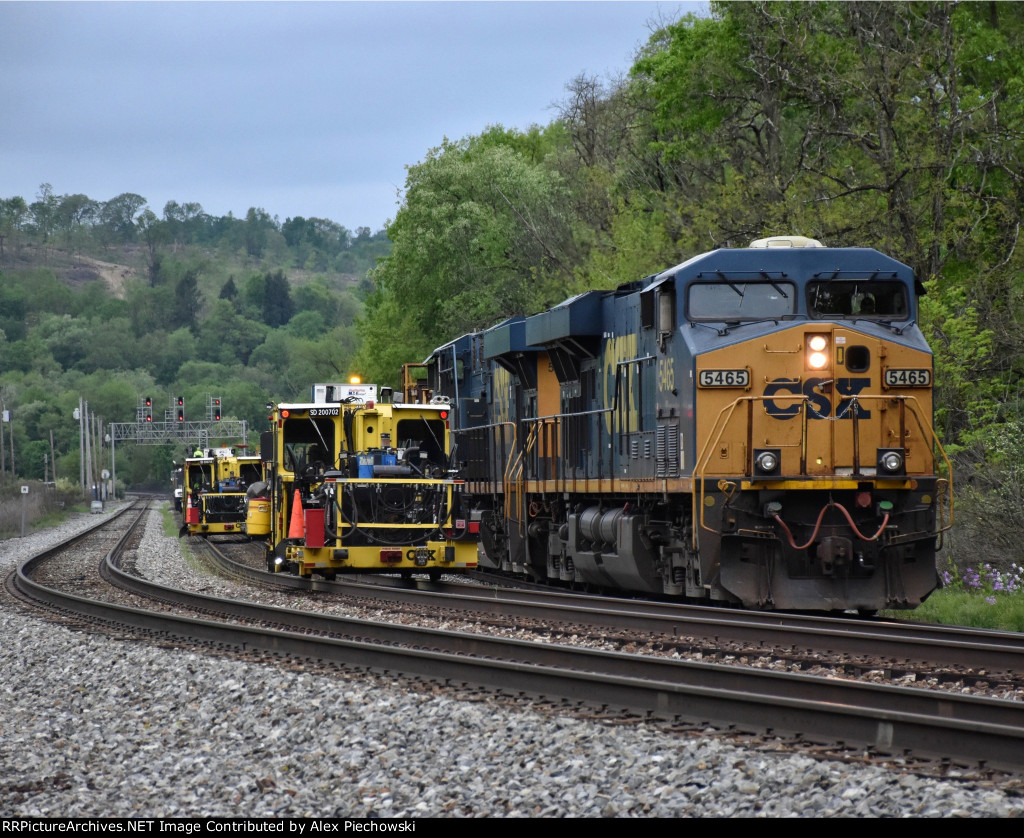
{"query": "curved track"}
(879, 720)
(900, 646)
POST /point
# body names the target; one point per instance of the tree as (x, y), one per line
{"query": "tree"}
(229, 290)
(257, 224)
(13, 214)
(227, 337)
(277, 307)
(188, 300)
(154, 233)
(118, 215)
(44, 212)
(482, 235)
(72, 213)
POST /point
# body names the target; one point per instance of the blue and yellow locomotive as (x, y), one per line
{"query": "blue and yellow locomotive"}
(356, 481)
(753, 426)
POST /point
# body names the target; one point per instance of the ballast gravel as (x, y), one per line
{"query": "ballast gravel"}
(95, 727)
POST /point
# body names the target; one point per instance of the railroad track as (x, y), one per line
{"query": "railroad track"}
(870, 720)
(947, 653)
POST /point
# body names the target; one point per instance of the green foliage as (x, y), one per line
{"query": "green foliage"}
(277, 306)
(968, 399)
(482, 235)
(958, 608)
(167, 317)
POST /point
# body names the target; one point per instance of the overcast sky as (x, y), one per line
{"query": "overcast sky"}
(311, 109)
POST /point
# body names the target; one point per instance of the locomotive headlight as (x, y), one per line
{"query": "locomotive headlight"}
(817, 355)
(891, 461)
(767, 461)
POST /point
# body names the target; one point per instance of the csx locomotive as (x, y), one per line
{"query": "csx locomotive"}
(752, 427)
(214, 484)
(354, 482)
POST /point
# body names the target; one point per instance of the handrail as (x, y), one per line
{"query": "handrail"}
(513, 478)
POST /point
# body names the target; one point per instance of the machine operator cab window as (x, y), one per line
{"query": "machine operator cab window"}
(306, 450)
(307, 459)
(200, 477)
(422, 446)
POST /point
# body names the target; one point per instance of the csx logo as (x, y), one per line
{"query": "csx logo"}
(818, 404)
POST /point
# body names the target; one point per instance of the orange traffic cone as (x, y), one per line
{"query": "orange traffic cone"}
(191, 512)
(296, 529)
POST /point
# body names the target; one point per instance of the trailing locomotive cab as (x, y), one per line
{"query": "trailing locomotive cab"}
(753, 426)
(356, 483)
(216, 481)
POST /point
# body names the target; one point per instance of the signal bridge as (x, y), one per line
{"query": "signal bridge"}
(190, 434)
(175, 429)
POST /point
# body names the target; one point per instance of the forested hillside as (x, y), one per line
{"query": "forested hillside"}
(891, 125)
(107, 302)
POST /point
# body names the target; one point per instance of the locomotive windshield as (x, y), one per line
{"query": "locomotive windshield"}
(853, 298)
(732, 300)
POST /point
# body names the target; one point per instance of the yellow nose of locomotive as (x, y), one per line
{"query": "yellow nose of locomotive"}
(834, 401)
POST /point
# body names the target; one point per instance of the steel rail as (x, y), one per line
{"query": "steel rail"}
(982, 733)
(902, 642)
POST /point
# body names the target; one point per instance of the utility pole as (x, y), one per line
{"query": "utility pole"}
(88, 450)
(3, 462)
(113, 463)
(81, 446)
(97, 429)
(5, 419)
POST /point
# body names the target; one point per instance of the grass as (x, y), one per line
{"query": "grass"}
(172, 527)
(975, 597)
(172, 522)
